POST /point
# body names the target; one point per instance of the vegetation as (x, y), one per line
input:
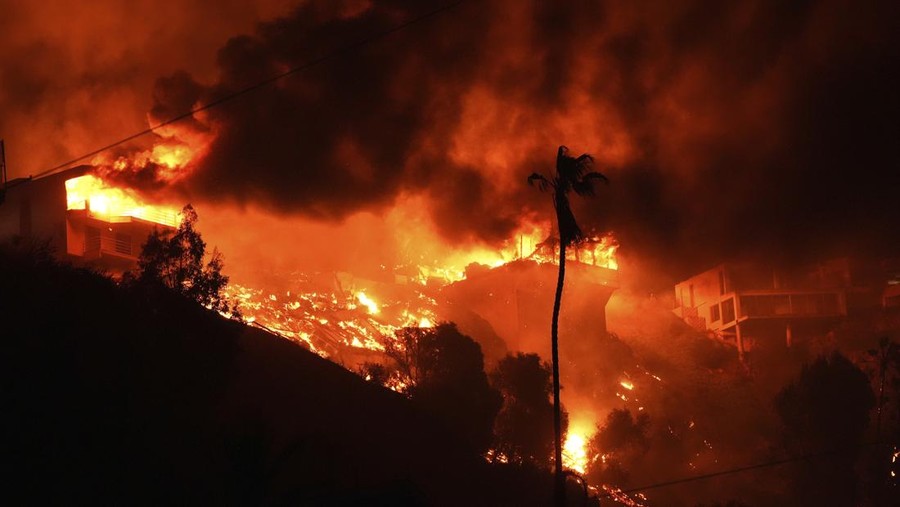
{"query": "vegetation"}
(131, 397)
(443, 371)
(826, 411)
(174, 260)
(523, 428)
(572, 175)
(623, 441)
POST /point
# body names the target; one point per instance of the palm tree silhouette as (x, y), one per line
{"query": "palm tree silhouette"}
(572, 175)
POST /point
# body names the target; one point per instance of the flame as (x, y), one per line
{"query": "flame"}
(368, 303)
(171, 159)
(92, 194)
(530, 242)
(358, 315)
(538, 244)
(329, 322)
(575, 448)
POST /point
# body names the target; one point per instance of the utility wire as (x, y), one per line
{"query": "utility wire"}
(711, 475)
(244, 91)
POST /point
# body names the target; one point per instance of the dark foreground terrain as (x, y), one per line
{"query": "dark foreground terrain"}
(113, 396)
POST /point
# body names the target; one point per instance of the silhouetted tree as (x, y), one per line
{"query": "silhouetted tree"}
(826, 410)
(374, 372)
(572, 175)
(175, 260)
(622, 439)
(443, 371)
(412, 353)
(880, 471)
(523, 429)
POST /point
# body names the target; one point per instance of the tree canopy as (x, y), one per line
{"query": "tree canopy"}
(175, 260)
(524, 426)
(443, 371)
(622, 440)
(826, 410)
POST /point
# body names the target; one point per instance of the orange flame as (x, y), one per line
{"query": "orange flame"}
(92, 194)
(575, 448)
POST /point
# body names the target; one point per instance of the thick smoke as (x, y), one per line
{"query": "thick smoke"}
(75, 76)
(726, 128)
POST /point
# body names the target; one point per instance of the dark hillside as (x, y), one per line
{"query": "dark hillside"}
(114, 396)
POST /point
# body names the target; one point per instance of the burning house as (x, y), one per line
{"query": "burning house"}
(82, 219)
(504, 306)
(516, 298)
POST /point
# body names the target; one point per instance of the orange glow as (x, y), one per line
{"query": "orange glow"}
(530, 242)
(575, 448)
(171, 159)
(92, 194)
(368, 303)
(362, 314)
(536, 243)
(324, 320)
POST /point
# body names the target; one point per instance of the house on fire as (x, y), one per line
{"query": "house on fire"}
(515, 300)
(749, 305)
(83, 221)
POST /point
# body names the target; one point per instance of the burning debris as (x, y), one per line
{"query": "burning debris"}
(341, 316)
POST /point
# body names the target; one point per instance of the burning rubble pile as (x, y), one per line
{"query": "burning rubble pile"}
(333, 313)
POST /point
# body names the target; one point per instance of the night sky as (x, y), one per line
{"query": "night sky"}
(726, 128)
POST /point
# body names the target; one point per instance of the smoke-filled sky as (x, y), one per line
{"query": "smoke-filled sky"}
(726, 128)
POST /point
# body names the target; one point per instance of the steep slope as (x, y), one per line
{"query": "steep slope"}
(116, 396)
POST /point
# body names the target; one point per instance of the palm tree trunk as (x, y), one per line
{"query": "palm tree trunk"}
(559, 490)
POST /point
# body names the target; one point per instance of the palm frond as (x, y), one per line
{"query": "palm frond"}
(570, 169)
(583, 164)
(540, 180)
(584, 186)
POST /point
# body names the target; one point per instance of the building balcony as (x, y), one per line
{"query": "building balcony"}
(735, 307)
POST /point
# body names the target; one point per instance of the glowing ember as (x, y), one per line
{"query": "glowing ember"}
(621, 497)
(92, 194)
(627, 384)
(495, 456)
(335, 323)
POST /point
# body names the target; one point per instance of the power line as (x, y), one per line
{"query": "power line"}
(793, 459)
(260, 84)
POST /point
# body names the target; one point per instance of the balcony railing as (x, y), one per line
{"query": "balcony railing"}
(120, 245)
(762, 304)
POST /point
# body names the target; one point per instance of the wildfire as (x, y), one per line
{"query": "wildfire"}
(172, 156)
(575, 448)
(530, 242)
(334, 322)
(92, 194)
(538, 244)
(368, 303)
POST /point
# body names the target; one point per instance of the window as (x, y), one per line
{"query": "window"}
(728, 310)
(714, 314)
